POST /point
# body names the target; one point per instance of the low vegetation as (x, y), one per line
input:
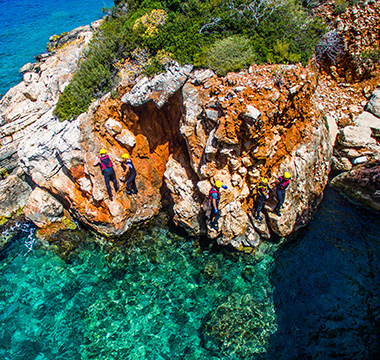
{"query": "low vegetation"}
(140, 35)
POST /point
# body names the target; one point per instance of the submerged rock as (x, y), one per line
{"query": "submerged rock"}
(241, 325)
(361, 184)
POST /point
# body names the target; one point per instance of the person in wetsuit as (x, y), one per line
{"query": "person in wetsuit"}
(130, 175)
(214, 197)
(108, 172)
(282, 183)
(262, 194)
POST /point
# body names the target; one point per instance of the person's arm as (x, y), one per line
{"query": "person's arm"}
(97, 162)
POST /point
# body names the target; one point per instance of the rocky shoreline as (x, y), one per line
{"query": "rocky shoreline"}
(186, 129)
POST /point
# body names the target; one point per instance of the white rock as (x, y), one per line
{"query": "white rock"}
(333, 129)
(204, 187)
(236, 180)
(356, 136)
(212, 114)
(85, 184)
(160, 88)
(370, 120)
(252, 112)
(373, 105)
(42, 208)
(30, 77)
(127, 138)
(113, 127)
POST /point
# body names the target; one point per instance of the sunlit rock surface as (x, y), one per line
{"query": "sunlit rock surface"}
(184, 129)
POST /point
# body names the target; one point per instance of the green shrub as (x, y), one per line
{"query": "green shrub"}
(281, 54)
(210, 33)
(373, 54)
(229, 54)
(340, 6)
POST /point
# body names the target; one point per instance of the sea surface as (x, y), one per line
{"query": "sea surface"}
(158, 294)
(26, 25)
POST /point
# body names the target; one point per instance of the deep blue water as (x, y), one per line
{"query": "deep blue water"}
(162, 295)
(26, 25)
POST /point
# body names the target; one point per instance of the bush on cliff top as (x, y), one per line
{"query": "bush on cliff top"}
(223, 35)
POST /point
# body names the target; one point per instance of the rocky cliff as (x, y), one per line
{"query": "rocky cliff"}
(184, 129)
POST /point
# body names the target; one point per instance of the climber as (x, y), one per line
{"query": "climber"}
(107, 170)
(127, 164)
(262, 193)
(214, 200)
(281, 184)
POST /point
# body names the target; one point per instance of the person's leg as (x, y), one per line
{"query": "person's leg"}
(134, 187)
(212, 216)
(107, 181)
(259, 206)
(216, 219)
(131, 185)
(280, 198)
(114, 180)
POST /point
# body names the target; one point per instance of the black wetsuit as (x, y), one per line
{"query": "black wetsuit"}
(280, 191)
(131, 182)
(261, 190)
(109, 174)
(214, 194)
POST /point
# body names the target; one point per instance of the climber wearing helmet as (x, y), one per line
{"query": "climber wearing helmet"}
(130, 174)
(281, 185)
(214, 197)
(107, 170)
(262, 193)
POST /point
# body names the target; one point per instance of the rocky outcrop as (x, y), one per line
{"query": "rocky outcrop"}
(361, 185)
(184, 130)
(359, 144)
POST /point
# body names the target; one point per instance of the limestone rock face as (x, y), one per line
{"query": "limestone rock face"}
(42, 208)
(187, 128)
(251, 138)
(187, 209)
(24, 110)
(14, 192)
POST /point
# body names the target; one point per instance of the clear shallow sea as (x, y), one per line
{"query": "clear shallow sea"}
(26, 25)
(315, 296)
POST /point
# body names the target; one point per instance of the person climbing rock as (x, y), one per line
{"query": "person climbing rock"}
(108, 172)
(281, 184)
(130, 174)
(214, 200)
(262, 194)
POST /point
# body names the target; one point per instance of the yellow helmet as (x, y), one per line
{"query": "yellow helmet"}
(218, 184)
(264, 180)
(125, 156)
(287, 175)
(102, 151)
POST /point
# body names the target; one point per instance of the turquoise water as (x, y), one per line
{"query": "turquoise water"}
(149, 300)
(162, 295)
(26, 25)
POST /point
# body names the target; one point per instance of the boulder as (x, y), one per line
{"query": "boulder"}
(126, 138)
(356, 137)
(373, 105)
(113, 127)
(369, 120)
(160, 88)
(361, 185)
(14, 192)
(42, 208)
